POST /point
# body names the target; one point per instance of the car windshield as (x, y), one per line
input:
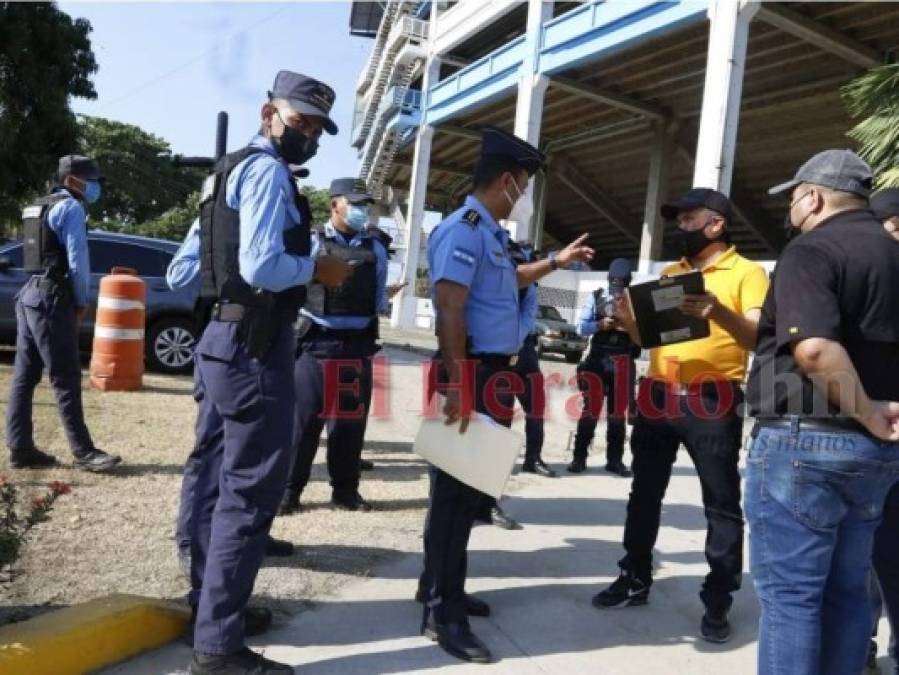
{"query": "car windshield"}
(549, 313)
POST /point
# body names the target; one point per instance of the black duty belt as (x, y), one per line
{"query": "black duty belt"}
(232, 312)
(500, 360)
(368, 333)
(707, 388)
(795, 424)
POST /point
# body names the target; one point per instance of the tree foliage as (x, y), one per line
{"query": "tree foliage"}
(875, 97)
(142, 183)
(319, 202)
(45, 58)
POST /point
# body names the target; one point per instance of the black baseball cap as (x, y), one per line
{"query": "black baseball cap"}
(699, 198)
(496, 142)
(354, 189)
(306, 95)
(840, 170)
(885, 203)
(77, 165)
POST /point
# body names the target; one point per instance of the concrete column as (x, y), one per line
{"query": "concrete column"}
(656, 193)
(405, 302)
(535, 233)
(532, 91)
(728, 35)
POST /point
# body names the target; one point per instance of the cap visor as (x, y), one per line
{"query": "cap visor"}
(670, 210)
(783, 187)
(305, 108)
(358, 198)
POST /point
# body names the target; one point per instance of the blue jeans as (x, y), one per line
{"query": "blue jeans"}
(813, 503)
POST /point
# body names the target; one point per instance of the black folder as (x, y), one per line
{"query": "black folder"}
(655, 306)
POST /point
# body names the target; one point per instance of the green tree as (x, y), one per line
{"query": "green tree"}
(142, 183)
(319, 202)
(172, 224)
(45, 58)
(875, 97)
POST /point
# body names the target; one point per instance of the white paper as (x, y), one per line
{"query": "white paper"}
(681, 334)
(482, 457)
(667, 298)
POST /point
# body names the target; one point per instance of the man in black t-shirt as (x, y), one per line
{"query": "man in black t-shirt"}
(825, 451)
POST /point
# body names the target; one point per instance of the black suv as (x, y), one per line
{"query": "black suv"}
(171, 330)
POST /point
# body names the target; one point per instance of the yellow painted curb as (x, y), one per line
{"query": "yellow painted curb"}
(89, 636)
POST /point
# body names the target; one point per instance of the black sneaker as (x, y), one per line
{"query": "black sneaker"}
(577, 466)
(619, 469)
(715, 627)
(353, 502)
(96, 461)
(31, 459)
(244, 662)
(626, 591)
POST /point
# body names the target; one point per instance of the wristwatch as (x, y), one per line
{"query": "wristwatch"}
(553, 265)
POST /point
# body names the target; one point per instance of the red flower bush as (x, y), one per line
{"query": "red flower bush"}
(16, 524)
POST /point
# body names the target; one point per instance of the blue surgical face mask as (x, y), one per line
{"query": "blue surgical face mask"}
(92, 191)
(356, 216)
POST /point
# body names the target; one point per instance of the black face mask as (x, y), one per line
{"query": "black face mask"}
(690, 243)
(294, 146)
(790, 230)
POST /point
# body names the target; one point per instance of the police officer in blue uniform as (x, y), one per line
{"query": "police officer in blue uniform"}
(338, 325)
(533, 396)
(184, 273)
(475, 293)
(611, 360)
(255, 263)
(49, 308)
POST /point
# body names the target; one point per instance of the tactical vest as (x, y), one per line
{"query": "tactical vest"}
(357, 295)
(519, 258)
(42, 250)
(609, 342)
(220, 243)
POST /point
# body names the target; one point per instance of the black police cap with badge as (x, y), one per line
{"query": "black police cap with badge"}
(354, 189)
(306, 95)
(496, 142)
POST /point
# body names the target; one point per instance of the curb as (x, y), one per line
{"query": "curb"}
(91, 635)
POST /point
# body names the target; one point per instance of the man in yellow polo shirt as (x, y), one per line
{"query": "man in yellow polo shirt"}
(692, 396)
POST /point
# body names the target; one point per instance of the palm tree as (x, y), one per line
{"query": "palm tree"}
(875, 97)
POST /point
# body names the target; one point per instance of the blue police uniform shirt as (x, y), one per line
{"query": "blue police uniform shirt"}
(353, 322)
(184, 270)
(68, 221)
(477, 257)
(587, 321)
(260, 189)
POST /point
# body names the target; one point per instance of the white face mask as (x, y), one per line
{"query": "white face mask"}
(522, 208)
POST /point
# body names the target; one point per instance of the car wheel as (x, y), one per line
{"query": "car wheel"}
(573, 357)
(170, 346)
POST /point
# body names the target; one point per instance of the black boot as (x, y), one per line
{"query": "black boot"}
(31, 459)
(474, 606)
(456, 639)
(244, 662)
(350, 502)
(538, 467)
(278, 548)
(578, 465)
(290, 503)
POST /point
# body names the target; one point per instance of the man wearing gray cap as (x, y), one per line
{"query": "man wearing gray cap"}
(49, 308)
(825, 449)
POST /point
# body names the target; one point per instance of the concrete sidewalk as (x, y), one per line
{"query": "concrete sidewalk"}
(539, 582)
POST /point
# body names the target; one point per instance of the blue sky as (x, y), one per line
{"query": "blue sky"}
(170, 67)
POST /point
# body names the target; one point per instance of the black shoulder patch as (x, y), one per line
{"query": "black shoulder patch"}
(472, 217)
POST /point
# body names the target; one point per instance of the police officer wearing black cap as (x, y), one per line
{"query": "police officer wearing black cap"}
(338, 329)
(608, 371)
(254, 264)
(49, 308)
(475, 292)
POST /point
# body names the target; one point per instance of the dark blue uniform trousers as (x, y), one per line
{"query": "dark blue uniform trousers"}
(208, 443)
(46, 335)
(604, 368)
(452, 511)
(533, 399)
(345, 415)
(240, 483)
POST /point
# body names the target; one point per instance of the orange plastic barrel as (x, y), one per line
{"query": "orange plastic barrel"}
(117, 359)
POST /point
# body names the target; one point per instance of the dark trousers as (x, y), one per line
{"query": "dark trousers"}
(713, 439)
(532, 399)
(208, 445)
(46, 335)
(241, 481)
(337, 396)
(604, 368)
(886, 565)
(452, 510)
